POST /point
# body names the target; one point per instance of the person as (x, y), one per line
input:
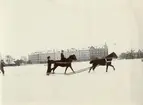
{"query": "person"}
(62, 56)
(2, 64)
(49, 65)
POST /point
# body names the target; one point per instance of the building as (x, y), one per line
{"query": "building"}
(84, 55)
(98, 52)
(34, 57)
(69, 52)
(81, 54)
(40, 57)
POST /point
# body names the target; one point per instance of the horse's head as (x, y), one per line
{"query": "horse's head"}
(72, 57)
(112, 55)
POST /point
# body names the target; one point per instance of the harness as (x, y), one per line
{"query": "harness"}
(107, 61)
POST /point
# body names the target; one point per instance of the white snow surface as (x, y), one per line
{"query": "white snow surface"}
(28, 85)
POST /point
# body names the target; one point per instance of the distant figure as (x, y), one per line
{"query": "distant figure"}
(2, 64)
(49, 65)
(62, 56)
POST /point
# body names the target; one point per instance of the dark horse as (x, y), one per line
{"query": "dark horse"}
(103, 62)
(66, 63)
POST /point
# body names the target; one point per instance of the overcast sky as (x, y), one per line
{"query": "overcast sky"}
(32, 25)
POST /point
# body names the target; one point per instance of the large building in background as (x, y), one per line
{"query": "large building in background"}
(40, 57)
(98, 52)
(85, 54)
(81, 54)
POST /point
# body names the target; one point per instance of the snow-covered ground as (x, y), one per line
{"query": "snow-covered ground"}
(28, 85)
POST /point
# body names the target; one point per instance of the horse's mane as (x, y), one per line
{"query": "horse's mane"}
(113, 54)
(71, 55)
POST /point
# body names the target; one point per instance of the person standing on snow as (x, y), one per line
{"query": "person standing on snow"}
(49, 65)
(2, 64)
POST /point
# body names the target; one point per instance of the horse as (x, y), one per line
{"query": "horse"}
(103, 62)
(66, 63)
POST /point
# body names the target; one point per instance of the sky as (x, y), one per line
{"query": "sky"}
(28, 26)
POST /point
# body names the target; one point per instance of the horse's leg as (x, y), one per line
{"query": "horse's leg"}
(107, 68)
(72, 69)
(94, 67)
(54, 68)
(112, 66)
(90, 69)
(66, 70)
(2, 71)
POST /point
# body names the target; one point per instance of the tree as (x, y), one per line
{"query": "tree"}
(123, 56)
(29, 62)
(17, 62)
(132, 52)
(24, 59)
(9, 59)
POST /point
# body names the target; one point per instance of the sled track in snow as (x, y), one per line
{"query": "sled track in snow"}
(76, 72)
